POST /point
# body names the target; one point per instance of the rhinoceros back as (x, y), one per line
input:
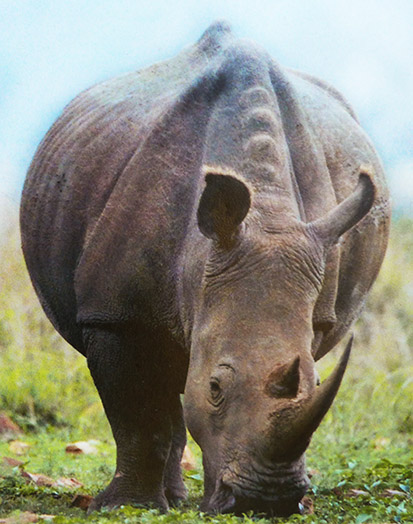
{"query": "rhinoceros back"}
(107, 201)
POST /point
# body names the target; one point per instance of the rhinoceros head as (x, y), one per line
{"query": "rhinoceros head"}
(251, 397)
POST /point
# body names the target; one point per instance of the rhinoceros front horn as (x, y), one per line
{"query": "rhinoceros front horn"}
(311, 411)
(324, 395)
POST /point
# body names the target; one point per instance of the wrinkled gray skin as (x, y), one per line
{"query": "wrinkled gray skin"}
(182, 230)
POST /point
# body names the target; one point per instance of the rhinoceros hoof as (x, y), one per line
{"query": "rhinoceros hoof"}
(116, 495)
(176, 494)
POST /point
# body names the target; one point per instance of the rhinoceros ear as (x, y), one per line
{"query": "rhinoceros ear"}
(284, 380)
(224, 204)
(346, 215)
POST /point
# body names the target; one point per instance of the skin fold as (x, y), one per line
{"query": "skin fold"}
(210, 225)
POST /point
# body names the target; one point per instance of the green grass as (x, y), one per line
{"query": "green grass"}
(342, 469)
(362, 450)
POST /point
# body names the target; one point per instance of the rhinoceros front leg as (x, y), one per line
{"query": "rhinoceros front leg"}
(133, 394)
(175, 489)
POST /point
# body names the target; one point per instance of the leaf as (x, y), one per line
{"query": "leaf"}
(364, 517)
(196, 476)
(25, 518)
(393, 493)
(38, 479)
(356, 493)
(405, 488)
(401, 508)
(7, 427)
(71, 483)
(12, 462)
(86, 447)
(81, 501)
(43, 480)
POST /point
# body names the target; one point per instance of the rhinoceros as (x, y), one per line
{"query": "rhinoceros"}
(209, 225)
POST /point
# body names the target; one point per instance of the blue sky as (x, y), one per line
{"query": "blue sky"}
(51, 50)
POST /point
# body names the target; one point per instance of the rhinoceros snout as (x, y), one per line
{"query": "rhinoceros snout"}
(232, 499)
(222, 501)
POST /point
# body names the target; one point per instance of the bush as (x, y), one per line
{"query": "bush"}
(42, 379)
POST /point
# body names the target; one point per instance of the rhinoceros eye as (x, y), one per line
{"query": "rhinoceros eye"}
(215, 391)
(220, 384)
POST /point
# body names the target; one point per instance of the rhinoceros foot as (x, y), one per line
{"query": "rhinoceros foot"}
(175, 490)
(176, 494)
(120, 492)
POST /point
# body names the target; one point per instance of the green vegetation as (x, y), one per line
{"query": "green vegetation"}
(360, 458)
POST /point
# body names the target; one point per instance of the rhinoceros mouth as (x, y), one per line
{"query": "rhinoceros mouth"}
(238, 494)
